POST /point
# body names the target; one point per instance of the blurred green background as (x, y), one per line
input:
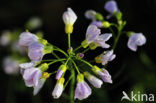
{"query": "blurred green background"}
(131, 71)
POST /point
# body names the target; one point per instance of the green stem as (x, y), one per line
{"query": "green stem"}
(117, 38)
(85, 62)
(68, 81)
(58, 60)
(86, 50)
(78, 48)
(76, 66)
(61, 51)
(110, 28)
(72, 86)
(69, 45)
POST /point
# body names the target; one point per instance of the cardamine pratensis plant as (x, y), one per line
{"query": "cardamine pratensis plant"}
(35, 72)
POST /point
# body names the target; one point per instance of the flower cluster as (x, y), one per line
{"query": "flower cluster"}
(10, 44)
(36, 72)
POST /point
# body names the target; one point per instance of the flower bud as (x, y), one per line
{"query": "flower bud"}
(58, 88)
(82, 90)
(93, 80)
(106, 24)
(99, 17)
(84, 44)
(80, 55)
(44, 67)
(103, 73)
(62, 69)
(69, 18)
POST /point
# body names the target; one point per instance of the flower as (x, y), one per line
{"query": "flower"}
(82, 90)
(136, 39)
(111, 6)
(58, 88)
(34, 23)
(39, 86)
(62, 69)
(35, 51)
(27, 65)
(105, 57)
(101, 40)
(94, 39)
(103, 73)
(10, 66)
(92, 33)
(69, 18)
(97, 23)
(90, 14)
(93, 80)
(5, 38)
(32, 76)
(26, 38)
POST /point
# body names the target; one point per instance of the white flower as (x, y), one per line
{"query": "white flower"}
(58, 88)
(69, 17)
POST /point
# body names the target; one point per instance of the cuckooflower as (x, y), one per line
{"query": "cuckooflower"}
(103, 73)
(10, 66)
(105, 57)
(32, 76)
(26, 38)
(111, 6)
(82, 90)
(39, 86)
(44, 77)
(94, 39)
(93, 80)
(35, 51)
(136, 39)
(62, 69)
(69, 18)
(90, 14)
(58, 88)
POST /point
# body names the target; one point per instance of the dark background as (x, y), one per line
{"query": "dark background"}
(131, 71)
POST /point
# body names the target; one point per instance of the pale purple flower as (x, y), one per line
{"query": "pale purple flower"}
(111, 6)
(105, 76)
(5, 38)
(27, 65)
(107, 56)
(90, 14)
(10, 66)
(101, 40)
(61, 70)
(103, 73)
(69, 17)
(93, 36)
(39, 86)
(93, 80)
(92, 33)
(97, 23)
(32, 76)
(82, 90)
(16, 47)
(35, 51)
(26, 38)
(58, 88)
(136, 39)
